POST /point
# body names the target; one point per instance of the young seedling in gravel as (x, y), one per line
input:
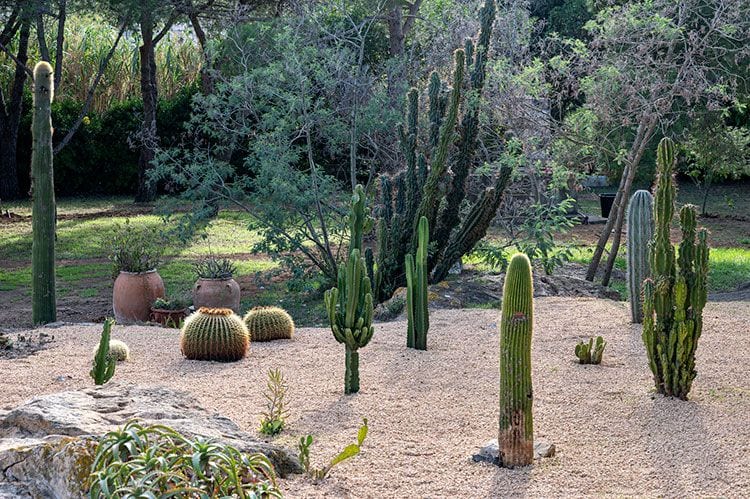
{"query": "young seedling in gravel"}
(590, 353)
(276, 413)
(349, 451)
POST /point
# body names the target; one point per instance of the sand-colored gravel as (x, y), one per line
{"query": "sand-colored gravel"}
(429, 411)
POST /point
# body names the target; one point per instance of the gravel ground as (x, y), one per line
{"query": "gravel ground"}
(429, 411)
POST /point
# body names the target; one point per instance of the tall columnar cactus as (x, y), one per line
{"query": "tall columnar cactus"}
(104, 362)
(350, 303)
(434, 183)
(640, 232)
(516, 436)
(674, 297)
(44, 307)
(214, 334)
(269, 323)
(416, 291)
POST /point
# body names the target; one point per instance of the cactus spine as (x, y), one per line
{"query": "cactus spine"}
(350, 303)
(416, 291)
(516, 435)
(640, 232)
(104, 363)
(43, 308)
(214, 334)
(674, 297)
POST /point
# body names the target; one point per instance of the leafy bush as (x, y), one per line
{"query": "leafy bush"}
(178, 303)
(148, 461)
(135, 249)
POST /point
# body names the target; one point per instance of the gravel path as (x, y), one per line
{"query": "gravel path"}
(429, 411)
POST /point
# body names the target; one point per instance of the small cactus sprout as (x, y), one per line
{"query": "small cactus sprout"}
(269, 323)
(214, 334)
(118, 350)
(640, 232)
(104, 363)
(675, 294)
(591, 353)
(516, 435)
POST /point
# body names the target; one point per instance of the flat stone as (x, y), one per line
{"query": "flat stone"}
(489, 452)
(49, 441)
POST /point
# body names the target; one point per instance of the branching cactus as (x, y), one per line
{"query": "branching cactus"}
(43, 302)
(350, 303)
(516, 435)
(104, 363)
(590, 353)
(674, 297)
(640, 232)
(417, 313)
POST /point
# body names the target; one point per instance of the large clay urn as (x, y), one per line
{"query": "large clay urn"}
(133, 295)
(217, 293)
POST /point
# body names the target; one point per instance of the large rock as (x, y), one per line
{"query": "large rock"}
(47, 444)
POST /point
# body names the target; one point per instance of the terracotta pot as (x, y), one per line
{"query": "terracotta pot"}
(217, 293)
(134, 293)
(170, 318)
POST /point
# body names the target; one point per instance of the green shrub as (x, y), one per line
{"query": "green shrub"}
(156, 461)
(135, 249)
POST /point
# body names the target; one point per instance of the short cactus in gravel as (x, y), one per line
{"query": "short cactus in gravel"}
(118, 350)
(104, 365)
(269, 323)
(417, 313)
(640, 232)
(674, 296)
(590, 353)
(214, 334)
(516, 435)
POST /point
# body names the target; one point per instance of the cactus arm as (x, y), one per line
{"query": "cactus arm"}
(104, 363)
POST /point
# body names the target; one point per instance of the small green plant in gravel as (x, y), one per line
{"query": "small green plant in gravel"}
(591, 353)
(349, 451)
(276, 413)
(157, 461)
(104, 363)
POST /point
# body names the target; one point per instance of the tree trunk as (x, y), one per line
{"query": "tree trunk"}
(645, 130)
(10, 118)
(147, 190)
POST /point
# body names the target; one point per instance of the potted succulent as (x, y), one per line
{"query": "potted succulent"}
(215, 287)
(135, 253)
(169, 312)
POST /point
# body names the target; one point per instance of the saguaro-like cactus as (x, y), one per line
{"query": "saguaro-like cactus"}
(104, 362)
(417, 313)
(674, 297)
(640, 232)
(43, 303)
(516, 436)
(350, 304)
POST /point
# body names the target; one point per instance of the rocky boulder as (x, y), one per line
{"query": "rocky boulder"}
(47, 444)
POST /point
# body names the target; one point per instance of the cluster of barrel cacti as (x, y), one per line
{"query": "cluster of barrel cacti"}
(418, 316)
(446, 159)
(43, 301)
(516, 433)
(675, 294)
(214, 334)
(104, 363)
(590, 353)
(269, 323)
(639, 233)
(350, 303)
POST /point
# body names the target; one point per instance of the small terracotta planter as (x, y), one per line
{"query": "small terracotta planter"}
(134, 293)
(217, 293)
(167, 317)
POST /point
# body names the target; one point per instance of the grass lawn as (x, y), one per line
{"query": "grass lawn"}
(85, 225)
